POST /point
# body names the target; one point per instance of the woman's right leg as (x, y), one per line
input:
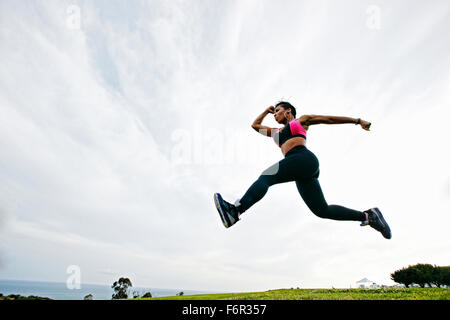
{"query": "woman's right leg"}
(277, 173)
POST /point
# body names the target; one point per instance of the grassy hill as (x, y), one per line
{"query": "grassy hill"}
(325, 294)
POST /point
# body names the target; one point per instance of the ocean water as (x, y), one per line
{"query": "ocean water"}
(59, 291)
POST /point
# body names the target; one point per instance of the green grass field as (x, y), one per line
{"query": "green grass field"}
(325, 294)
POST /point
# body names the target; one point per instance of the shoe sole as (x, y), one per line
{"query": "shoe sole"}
(217, 200)
(388, 234)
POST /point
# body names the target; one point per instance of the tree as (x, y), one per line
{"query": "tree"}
(120, 288)
(437, 276)
(404, 276)
(181, 293)
(147, 295)
(445, 275)
(423, 274)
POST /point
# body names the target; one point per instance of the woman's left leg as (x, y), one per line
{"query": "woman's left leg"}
(312, 194)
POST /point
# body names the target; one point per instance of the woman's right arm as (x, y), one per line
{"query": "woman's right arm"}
(264, 130)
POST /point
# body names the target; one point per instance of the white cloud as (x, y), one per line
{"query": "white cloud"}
(91, 120)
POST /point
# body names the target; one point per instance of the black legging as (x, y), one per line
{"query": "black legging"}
(302, 166)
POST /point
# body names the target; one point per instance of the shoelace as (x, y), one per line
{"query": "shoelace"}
(231, 209)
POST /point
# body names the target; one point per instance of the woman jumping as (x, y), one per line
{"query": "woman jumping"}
(299, 165)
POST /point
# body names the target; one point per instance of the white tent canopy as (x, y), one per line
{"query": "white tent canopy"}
(365, 280)
(366, 283)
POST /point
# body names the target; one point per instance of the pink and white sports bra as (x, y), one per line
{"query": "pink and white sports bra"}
(293, 129)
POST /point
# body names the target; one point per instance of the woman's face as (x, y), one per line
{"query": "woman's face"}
(280, 114)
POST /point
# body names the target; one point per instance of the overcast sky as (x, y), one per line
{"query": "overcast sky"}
(120, 119)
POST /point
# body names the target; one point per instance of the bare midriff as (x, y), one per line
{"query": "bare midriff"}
(291, 143)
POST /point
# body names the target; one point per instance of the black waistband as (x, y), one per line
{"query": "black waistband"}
(295, 149)
(298, 135)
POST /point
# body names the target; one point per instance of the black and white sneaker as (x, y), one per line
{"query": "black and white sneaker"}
(227, 211)
(377, 222)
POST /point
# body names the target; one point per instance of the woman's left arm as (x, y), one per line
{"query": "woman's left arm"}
(316, 119)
